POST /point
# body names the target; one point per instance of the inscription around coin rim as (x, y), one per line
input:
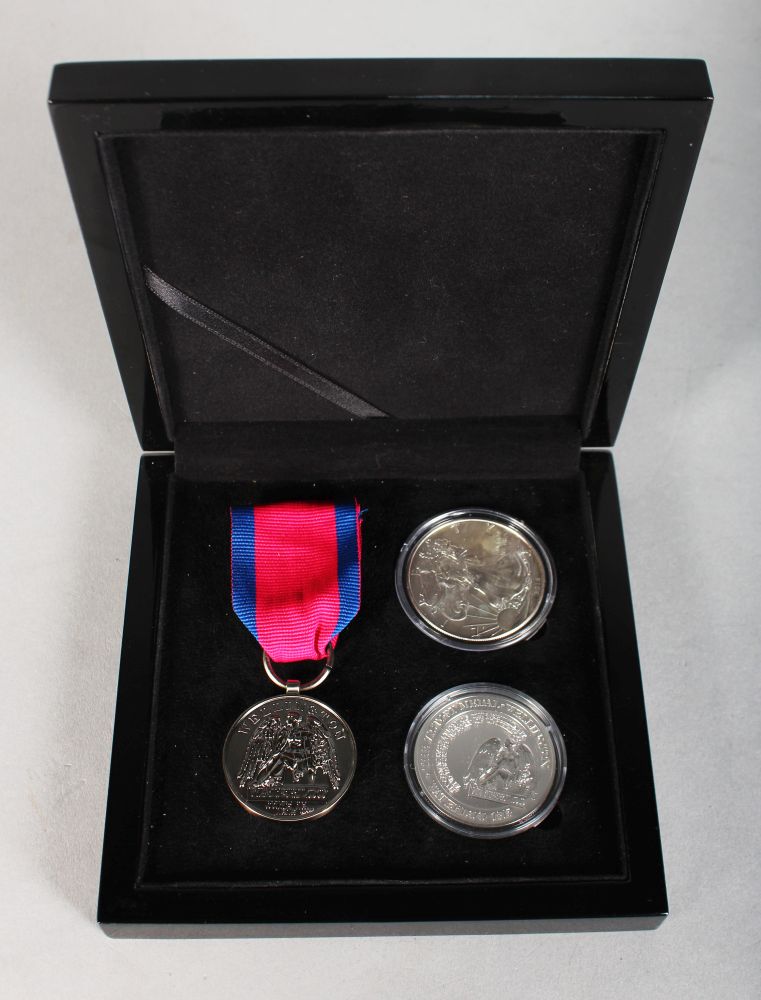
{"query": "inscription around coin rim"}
(533, 745)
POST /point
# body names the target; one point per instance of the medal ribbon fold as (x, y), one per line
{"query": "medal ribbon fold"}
(295, 571)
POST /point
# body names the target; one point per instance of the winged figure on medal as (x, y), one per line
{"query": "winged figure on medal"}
(292, 747)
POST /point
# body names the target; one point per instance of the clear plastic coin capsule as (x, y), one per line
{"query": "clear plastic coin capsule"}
(485, 760)
(475, 579)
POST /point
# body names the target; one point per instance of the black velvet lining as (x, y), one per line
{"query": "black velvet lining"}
(457, 273)
(209, 670)
(528, 448)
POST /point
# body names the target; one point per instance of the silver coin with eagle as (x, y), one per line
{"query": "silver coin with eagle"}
(475, 579)
(289, 758)
(485, 760)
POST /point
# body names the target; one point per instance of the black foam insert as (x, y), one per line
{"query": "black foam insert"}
(459, 272)
(209, 670)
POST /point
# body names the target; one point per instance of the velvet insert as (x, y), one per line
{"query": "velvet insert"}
(455, 272)
(520, 449)
(209, 670)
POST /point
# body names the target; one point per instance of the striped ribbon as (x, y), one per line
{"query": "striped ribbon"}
(295, 571)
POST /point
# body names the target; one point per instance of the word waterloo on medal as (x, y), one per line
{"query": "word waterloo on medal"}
(295, 574)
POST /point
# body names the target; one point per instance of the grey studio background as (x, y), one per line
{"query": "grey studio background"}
(687, 463)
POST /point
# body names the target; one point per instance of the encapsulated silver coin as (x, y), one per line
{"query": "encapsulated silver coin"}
(485, 760)
(289, 758)
(475, 579)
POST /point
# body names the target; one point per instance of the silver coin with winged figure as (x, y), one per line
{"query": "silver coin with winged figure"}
(289, 758)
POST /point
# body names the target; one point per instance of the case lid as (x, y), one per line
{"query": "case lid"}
(291, 245)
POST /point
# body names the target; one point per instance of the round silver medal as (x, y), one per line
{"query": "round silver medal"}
(475, 579)
(485, 760)
(289, 758)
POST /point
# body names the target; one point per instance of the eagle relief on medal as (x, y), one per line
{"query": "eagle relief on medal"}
(503, 770)
(289, 758)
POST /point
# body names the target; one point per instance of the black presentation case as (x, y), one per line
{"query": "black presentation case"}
(475, 248)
